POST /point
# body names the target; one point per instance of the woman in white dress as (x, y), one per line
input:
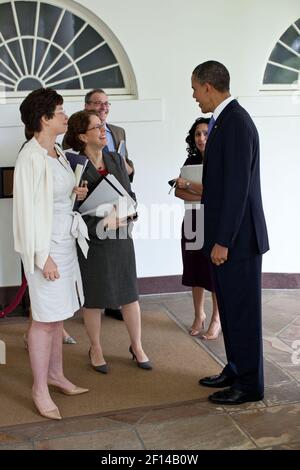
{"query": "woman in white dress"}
(45, 228)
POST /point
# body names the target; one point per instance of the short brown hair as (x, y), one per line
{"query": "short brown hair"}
(38, 103)
(88, 96)
(78, 123)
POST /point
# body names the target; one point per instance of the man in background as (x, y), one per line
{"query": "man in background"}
(97, 100)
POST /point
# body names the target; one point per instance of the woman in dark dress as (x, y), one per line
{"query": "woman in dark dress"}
(196, 268)
(109, 272)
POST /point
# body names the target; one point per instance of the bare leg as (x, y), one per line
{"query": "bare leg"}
(214, 328)
(132, 317)
(56, 373)
(40, 338)
(92, 321)
(198, 299)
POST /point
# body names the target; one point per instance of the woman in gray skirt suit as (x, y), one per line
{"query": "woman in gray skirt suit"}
(109, 272)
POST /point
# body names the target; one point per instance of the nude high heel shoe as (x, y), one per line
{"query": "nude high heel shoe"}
(195, 331)
(212, 333)
(50, 414)
(75, 391)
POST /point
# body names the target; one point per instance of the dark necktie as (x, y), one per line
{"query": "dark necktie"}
(210, 125)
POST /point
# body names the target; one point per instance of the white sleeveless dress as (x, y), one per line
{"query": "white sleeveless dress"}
(57, 300)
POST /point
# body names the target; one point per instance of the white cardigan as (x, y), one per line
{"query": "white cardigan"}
(32, 205)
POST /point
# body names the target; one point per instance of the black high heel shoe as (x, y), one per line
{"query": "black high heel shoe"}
(143, 365)
(103, 368)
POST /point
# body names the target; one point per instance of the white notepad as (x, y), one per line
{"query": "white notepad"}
(109, 191)
(192, 173)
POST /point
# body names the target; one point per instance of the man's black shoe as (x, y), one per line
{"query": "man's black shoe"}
(114, 313)
(232, 396)
(217, 381)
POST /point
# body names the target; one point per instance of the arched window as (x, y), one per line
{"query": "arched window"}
(283, 67)
(60, 45)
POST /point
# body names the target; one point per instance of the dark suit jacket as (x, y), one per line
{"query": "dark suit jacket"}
(118, 134)
(233, 211)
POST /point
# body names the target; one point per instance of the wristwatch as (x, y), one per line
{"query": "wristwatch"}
(187, 184)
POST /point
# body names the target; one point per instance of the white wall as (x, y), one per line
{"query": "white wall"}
(164, 41)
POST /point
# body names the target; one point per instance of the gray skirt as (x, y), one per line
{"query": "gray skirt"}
(109, 273)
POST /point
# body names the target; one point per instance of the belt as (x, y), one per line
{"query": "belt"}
(79, 231)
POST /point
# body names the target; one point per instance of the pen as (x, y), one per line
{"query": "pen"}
(172, 187)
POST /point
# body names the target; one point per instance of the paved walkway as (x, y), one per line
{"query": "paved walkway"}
(271, 424)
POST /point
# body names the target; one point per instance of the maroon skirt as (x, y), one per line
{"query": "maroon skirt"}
(197, 268)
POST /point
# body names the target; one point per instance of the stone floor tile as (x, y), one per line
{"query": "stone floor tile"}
(294, 445)
(6, 439)
(254, 405)
(291, 332)
(202, 432)
(274, 374)
(128, 417)
(282, 393)
(268, 294)
(78, 426)
(119, 439)
(174, 413)
(24, 446)
(297, 321)
(272, 426)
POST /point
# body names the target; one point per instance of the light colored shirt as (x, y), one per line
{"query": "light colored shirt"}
(221, 107)
(110, 140)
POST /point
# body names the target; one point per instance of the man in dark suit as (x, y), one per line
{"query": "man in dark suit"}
(235, 233)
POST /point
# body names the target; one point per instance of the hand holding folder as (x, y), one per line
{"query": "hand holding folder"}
(109, 192)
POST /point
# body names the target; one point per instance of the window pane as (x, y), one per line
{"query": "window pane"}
(7, 73)
(47, 21)
(69, 26)
(71, 85)
(16, 52)
(99, 58)
(7, 22)
(88, 39)
(62, 62)
(27, 45)
(26, 13)
(69, 72)
(274, 75)
(52, 53)
(281, 55)
(28, 84)
(292, 39)
(107, 79)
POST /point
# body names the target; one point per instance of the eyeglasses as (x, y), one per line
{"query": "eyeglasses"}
(100, 103)
(97, 126)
